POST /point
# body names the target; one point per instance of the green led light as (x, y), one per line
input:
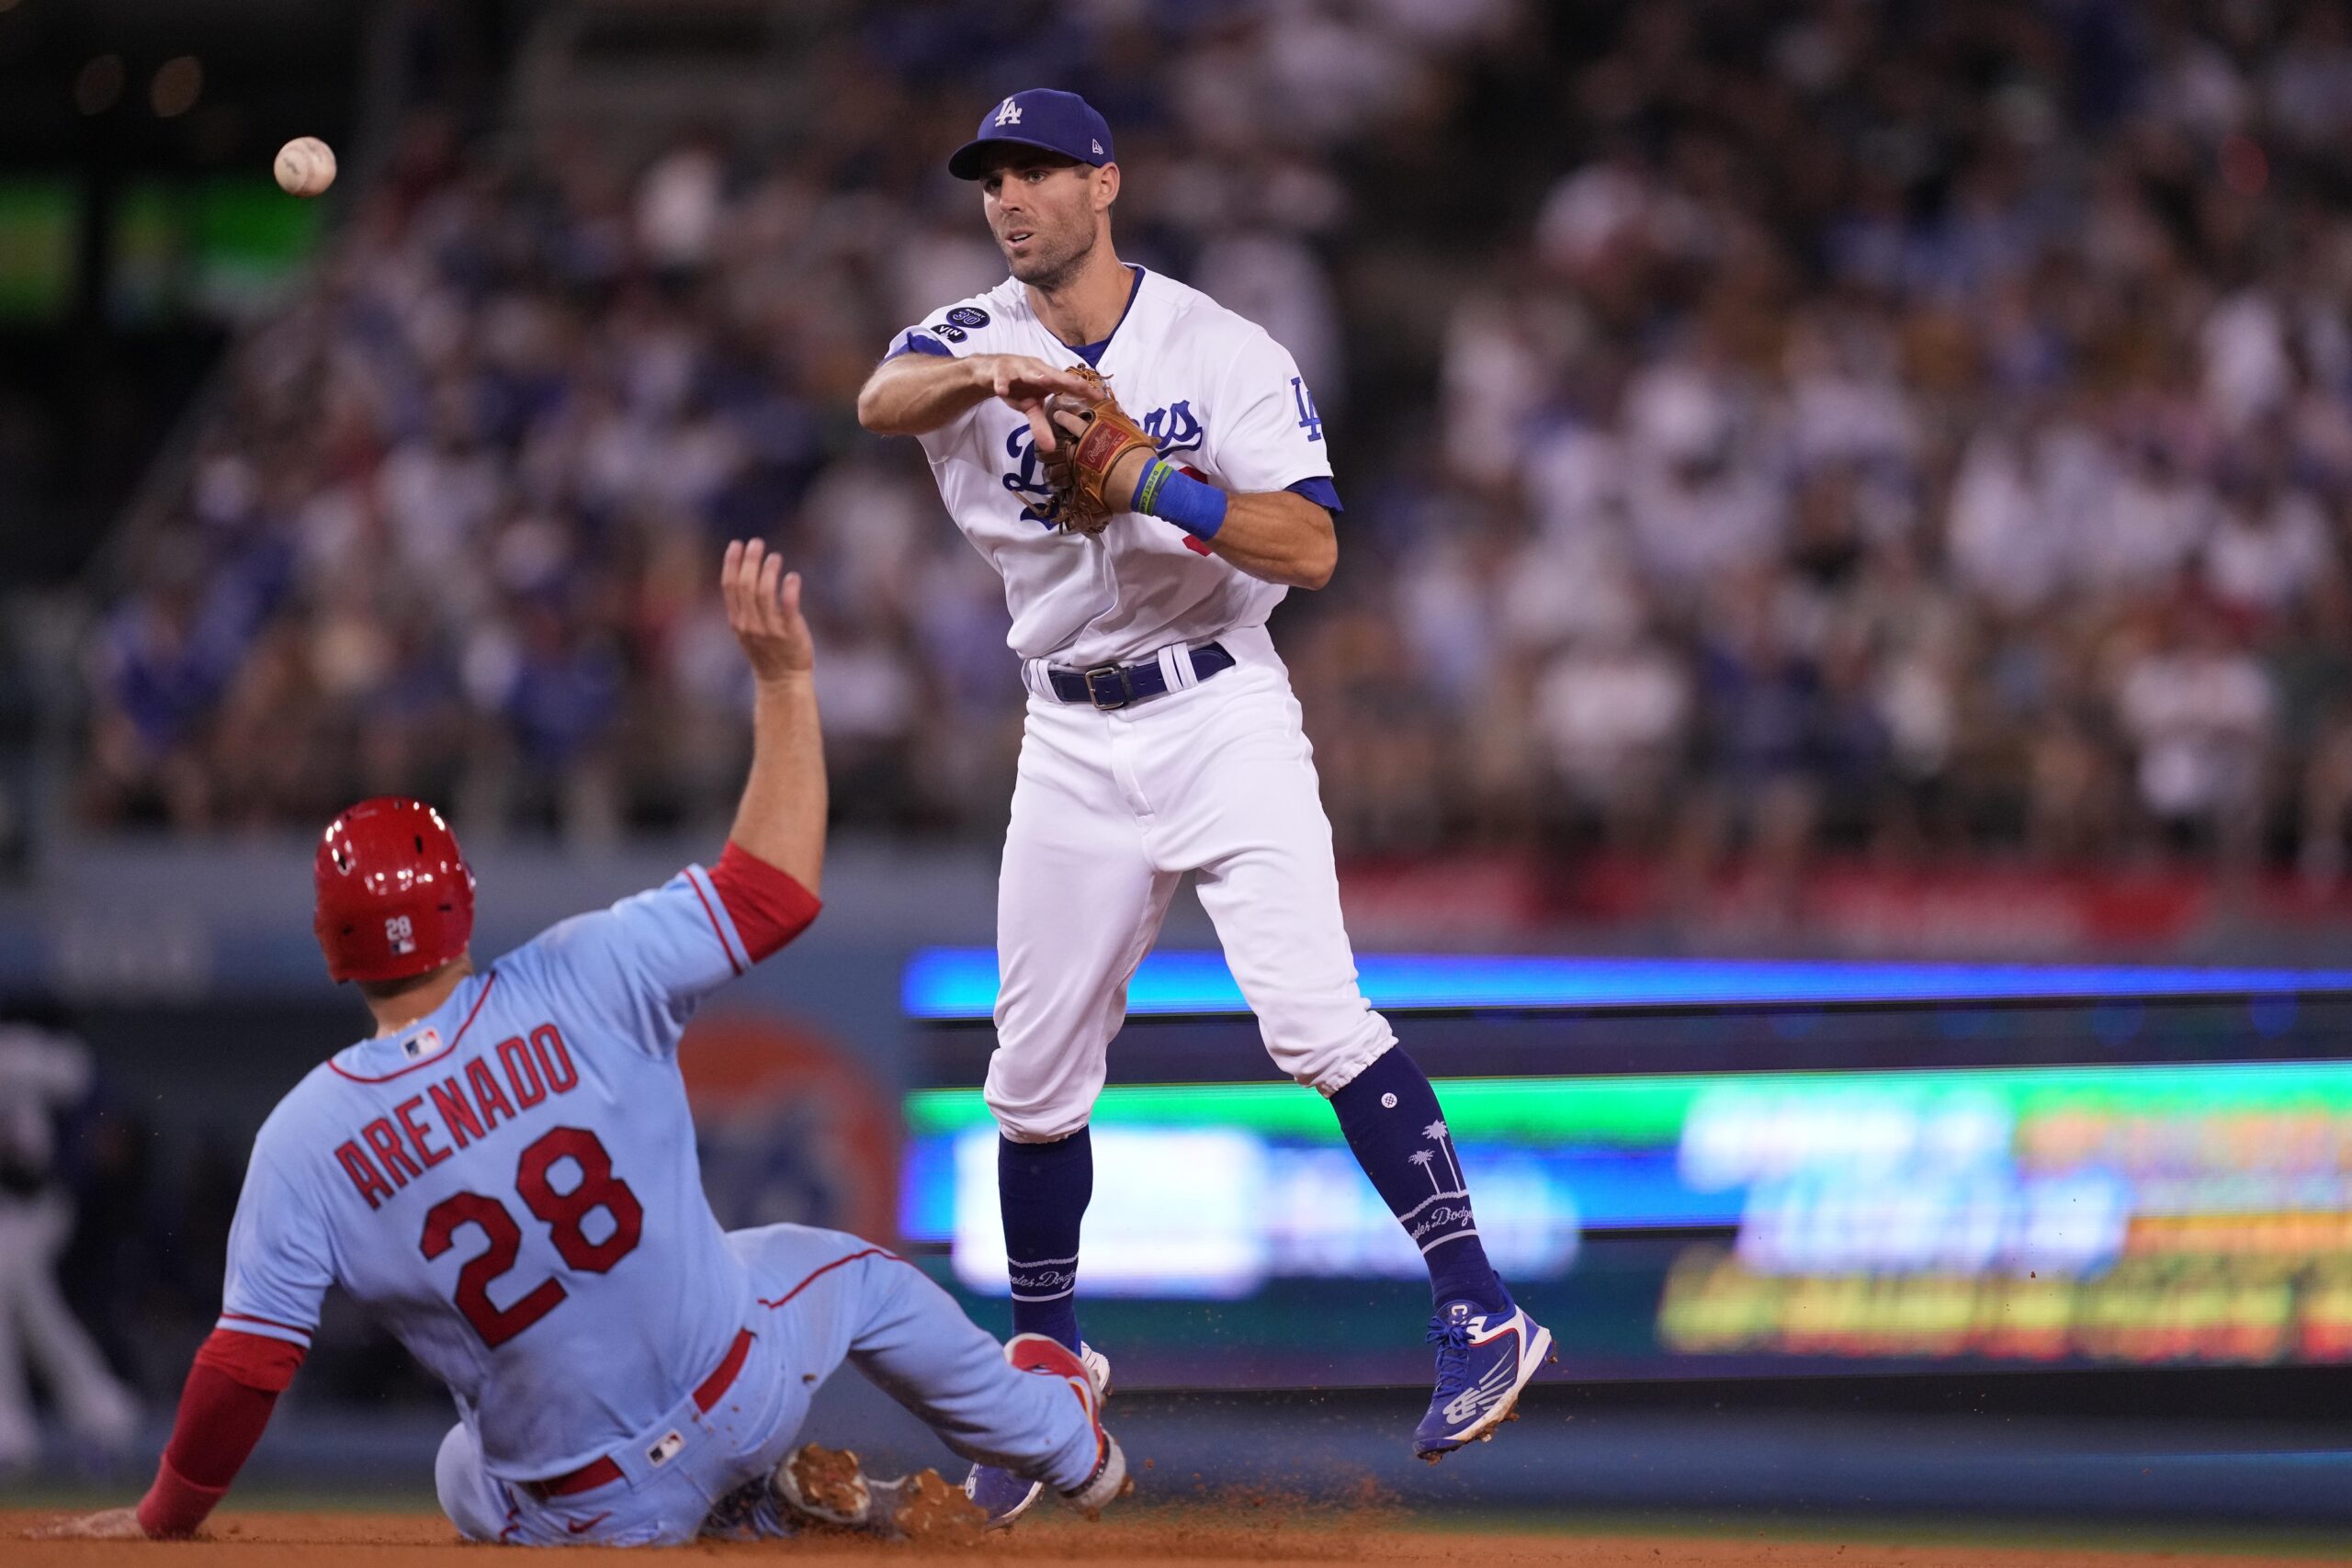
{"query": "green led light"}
(1649, 1110)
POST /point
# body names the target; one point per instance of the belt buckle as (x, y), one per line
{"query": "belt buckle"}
(1126, 690)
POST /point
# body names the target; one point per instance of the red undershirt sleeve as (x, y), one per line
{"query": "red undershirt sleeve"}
(231, 1391)
(769, 906)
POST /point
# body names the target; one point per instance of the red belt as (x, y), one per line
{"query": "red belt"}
(603, 1471)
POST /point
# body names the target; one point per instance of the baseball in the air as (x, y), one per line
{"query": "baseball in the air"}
(305, 166)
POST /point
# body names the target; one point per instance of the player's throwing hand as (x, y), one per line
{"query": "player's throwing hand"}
(763, 606)
(1025, 385)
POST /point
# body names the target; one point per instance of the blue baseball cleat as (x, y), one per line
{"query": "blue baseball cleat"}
(1003, 1496)
(1482, 1363)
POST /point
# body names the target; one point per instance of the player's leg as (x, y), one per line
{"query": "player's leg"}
(1268, 881)
(475, 1503)
(833, 1297)
(94, 1402)
(1077, 905)
(1249, 817)
(19, 1437)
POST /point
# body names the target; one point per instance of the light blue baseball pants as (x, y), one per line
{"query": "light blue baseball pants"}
(823, 1297)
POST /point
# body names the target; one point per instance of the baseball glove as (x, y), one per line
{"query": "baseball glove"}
(1078, 468)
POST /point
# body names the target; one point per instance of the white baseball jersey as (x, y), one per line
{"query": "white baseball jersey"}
(1220, 395)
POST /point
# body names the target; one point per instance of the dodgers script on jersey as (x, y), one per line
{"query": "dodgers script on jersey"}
(509, 1185)
(1220, 395)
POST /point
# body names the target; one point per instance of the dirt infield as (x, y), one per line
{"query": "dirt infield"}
(1172, 1537)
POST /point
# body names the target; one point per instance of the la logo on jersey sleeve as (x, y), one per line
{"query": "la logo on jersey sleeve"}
(1308, 420)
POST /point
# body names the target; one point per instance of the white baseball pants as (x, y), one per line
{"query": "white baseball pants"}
(1110, 809)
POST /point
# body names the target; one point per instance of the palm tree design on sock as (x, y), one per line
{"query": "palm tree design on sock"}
(1438, 1134)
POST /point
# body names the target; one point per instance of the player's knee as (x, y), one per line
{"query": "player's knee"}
(1030, 1119)
(1043, 1124)
(1328, 1065)
(464, 1488)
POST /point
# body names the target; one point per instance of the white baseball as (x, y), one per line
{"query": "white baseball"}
(305, 166)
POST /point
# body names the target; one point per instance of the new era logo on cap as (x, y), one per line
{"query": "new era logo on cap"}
(1042, 117)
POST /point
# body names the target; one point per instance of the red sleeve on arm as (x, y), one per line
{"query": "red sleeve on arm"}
(231, 1391)
(769, 906)
(253, 1359)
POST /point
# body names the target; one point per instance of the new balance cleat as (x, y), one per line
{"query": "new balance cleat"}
(828, 1486)
(1002, 1496)
(1483, 1362)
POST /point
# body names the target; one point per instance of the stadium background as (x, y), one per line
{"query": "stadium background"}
(1831, 488)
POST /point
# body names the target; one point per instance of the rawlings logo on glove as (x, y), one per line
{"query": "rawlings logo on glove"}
(1078, 468)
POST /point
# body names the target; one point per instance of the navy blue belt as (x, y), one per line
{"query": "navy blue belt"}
(1109, 686)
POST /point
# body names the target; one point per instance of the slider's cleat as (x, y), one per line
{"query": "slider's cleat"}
(1001, 1495)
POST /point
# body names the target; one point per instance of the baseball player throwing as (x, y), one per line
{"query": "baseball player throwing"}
(504, 1177)
(1148, 473)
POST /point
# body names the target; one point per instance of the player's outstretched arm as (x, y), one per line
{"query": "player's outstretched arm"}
(913, 394)
(782, 817)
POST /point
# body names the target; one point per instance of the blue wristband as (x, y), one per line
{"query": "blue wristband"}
(1167, 492)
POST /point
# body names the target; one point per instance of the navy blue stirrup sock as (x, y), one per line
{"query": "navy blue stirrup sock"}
(1042, 1191)
(1391, 1117)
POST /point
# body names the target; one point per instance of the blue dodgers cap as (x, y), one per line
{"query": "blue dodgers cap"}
(1042, 117)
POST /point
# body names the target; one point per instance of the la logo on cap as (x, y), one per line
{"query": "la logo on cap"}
(1008, 113)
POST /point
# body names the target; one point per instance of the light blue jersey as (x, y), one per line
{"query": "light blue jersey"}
(509, 1185)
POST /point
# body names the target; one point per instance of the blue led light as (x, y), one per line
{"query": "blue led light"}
(950, 982)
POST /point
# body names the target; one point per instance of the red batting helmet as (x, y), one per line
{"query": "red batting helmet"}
(396, 897)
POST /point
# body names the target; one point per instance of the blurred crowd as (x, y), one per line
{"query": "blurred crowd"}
(112, 1229)
(1765, 431)
(1906, 427)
